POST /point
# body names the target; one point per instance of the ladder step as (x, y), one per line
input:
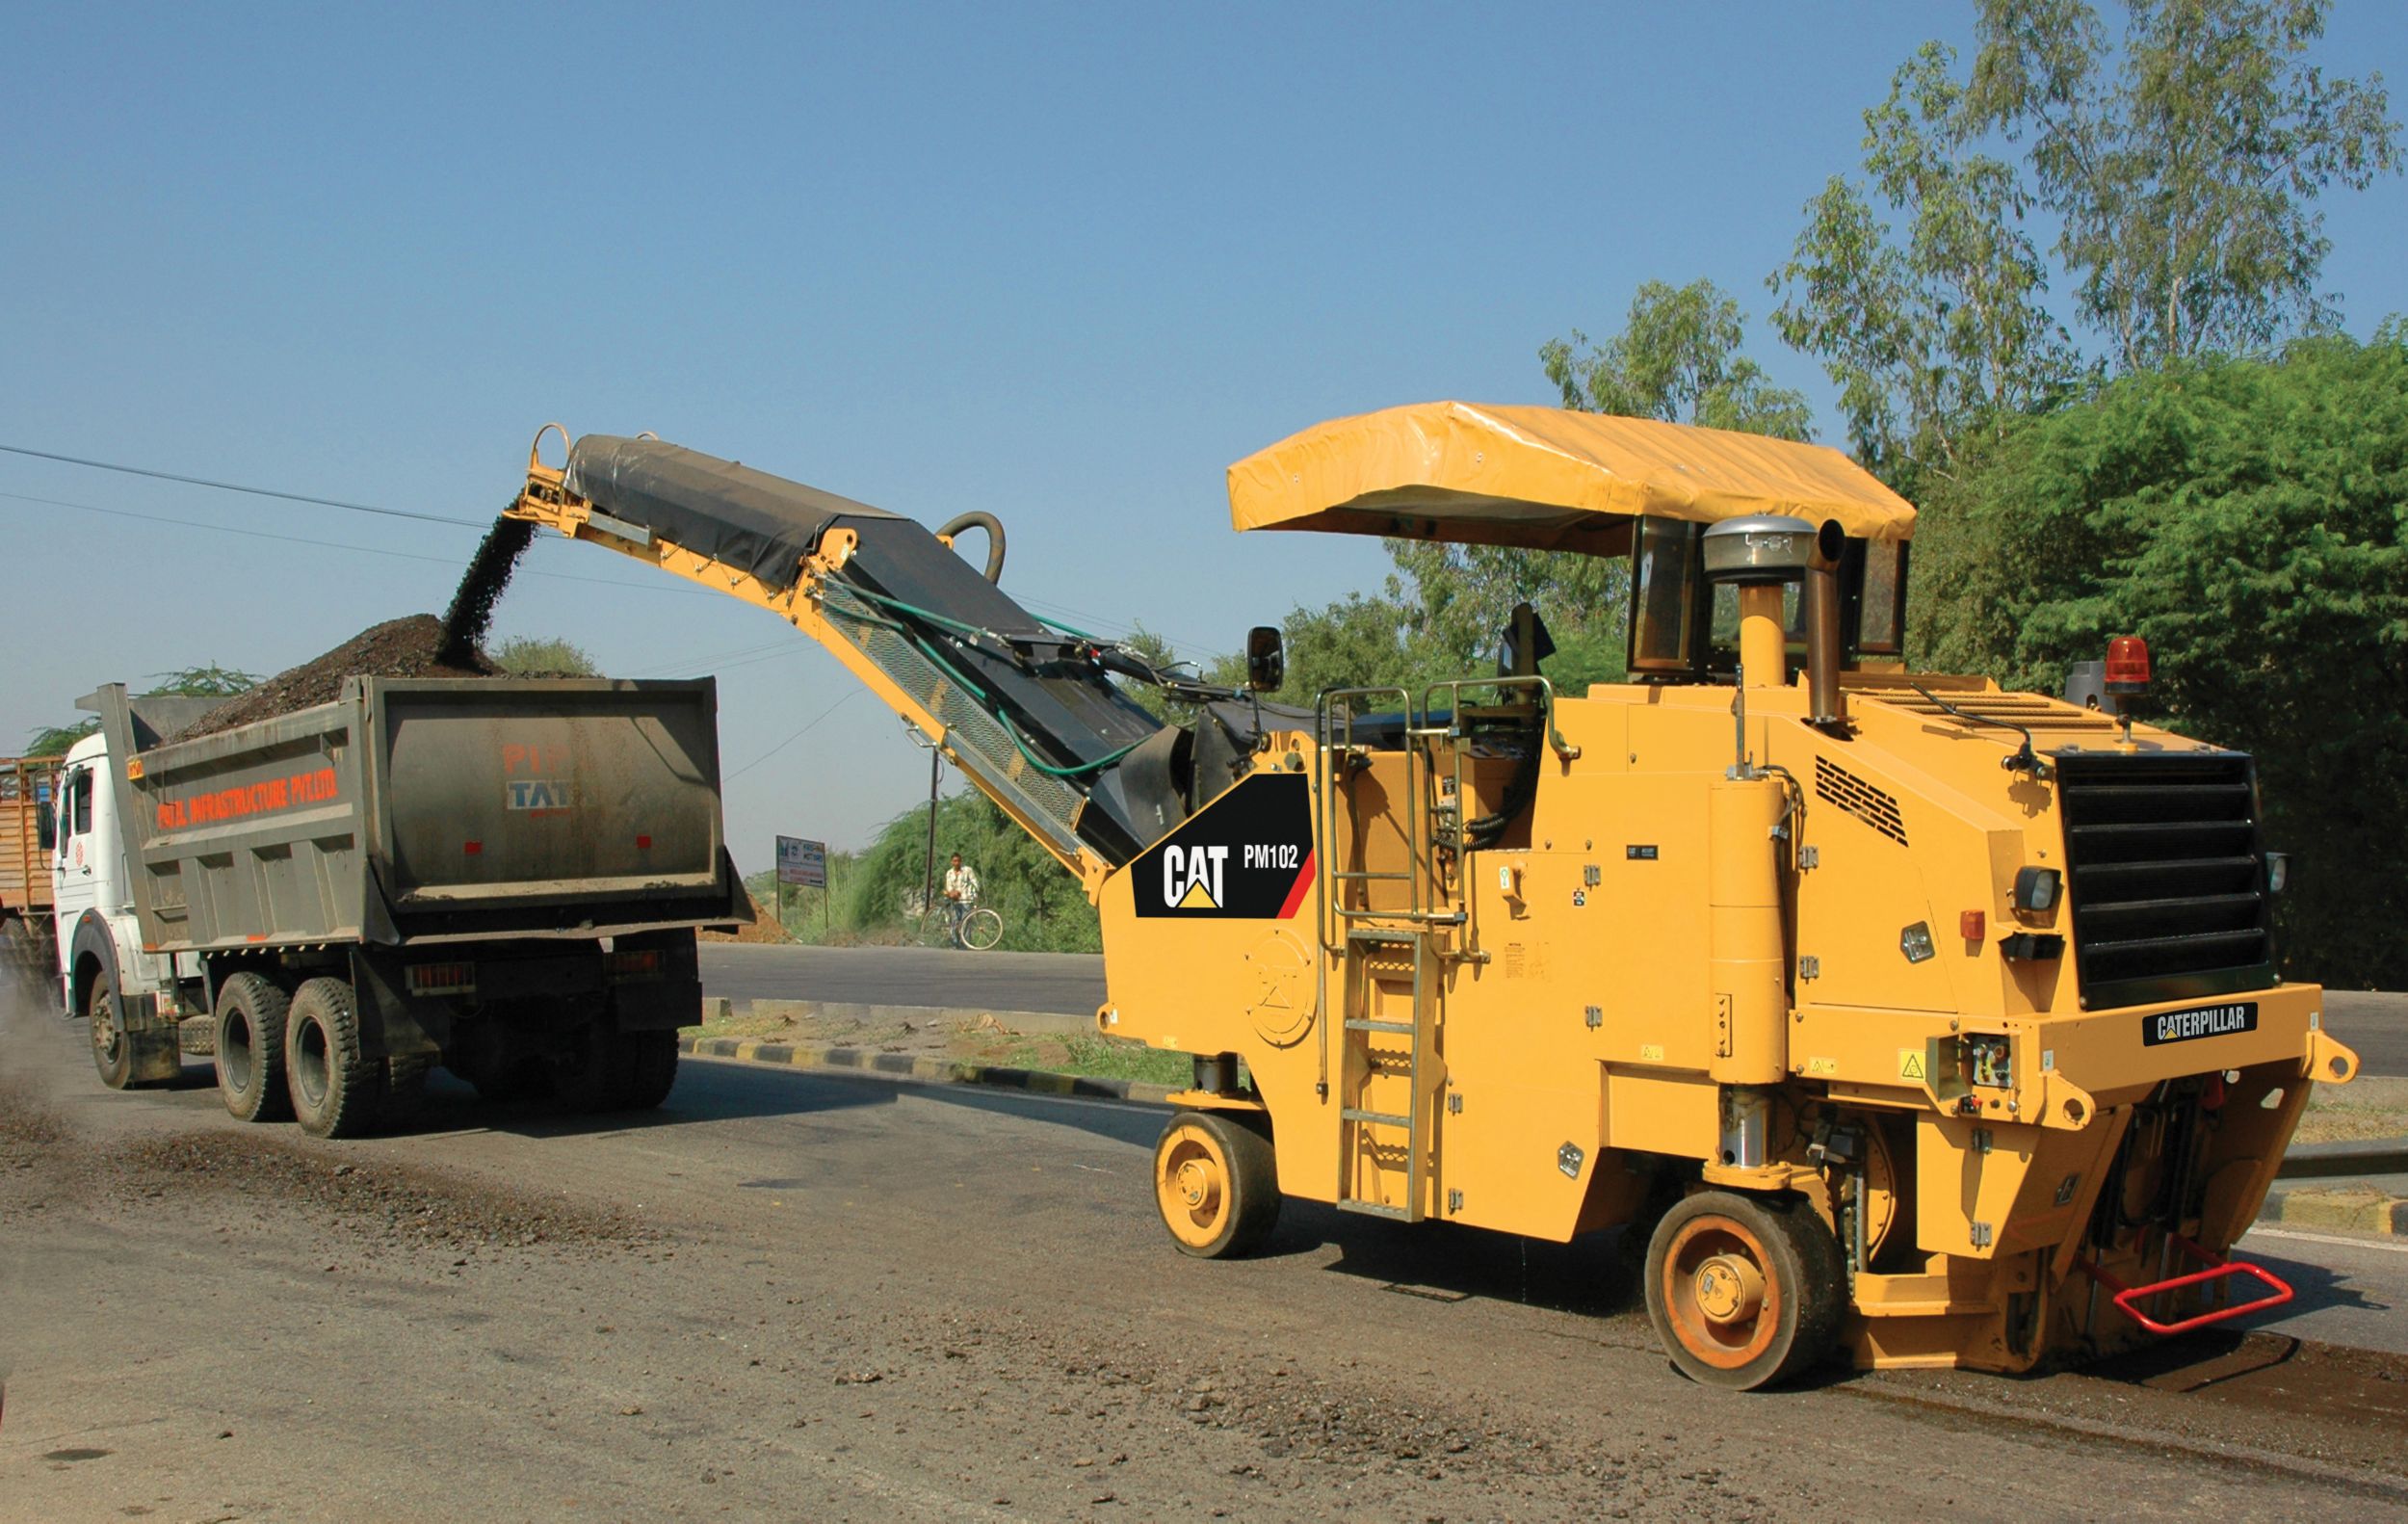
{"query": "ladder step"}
(1377, 1209)
(1376, 1118)
(1357, 1024)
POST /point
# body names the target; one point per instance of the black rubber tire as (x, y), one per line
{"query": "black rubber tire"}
(334, 1087)
(1801, 1260)
(513, 1081)
(594, 1076)
(112, 1047)
(1252, 1181)
(651, 1069)
(250, 1035)
(406, 1088)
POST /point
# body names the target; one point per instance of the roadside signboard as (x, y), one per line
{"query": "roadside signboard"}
(802, 862)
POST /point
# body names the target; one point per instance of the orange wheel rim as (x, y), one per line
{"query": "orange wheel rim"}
(1191, 1185)
(1719, 1289)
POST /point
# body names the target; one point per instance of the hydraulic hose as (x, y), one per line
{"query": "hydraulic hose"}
(994, 528)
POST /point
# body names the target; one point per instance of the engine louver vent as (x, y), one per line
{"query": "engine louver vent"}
(1837, 785)
(2167, 882)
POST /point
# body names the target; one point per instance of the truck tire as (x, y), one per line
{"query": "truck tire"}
(406, 1088)
(112, 1046)
(334, 1087)
(251, 1049)
(594, 1076)
(651, 1069)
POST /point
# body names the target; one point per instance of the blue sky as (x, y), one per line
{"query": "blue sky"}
(1062, 263)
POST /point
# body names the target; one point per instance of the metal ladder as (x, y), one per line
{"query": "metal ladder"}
(1367, 940)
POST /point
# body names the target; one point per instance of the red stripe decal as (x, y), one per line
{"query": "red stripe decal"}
(1295, 893)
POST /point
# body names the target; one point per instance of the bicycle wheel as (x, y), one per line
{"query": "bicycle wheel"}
(982, 929)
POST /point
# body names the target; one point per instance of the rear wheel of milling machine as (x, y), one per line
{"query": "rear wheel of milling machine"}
(1744, 1291)
(1216, 1184)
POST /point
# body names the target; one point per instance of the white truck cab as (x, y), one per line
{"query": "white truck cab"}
(99, 937)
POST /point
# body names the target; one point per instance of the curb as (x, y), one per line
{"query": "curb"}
(2348, 1209)
(862, 1062)
(2323, 1161)
(721, 1006)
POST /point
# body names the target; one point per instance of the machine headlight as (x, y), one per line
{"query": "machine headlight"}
(2277, 871)
(2036, 888)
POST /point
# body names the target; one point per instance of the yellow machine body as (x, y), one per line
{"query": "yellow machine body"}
(1694, 937)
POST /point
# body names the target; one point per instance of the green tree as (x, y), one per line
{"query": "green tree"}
(541, 656)
(1043, 908)
(1677, 358)
(1937, 334)
(2243, 517)
(2183, 174)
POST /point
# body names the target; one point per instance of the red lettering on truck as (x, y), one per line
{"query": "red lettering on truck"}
(266, 797)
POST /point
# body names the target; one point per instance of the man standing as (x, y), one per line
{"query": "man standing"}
(961, 895)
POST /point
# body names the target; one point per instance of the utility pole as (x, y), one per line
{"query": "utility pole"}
(927, 873)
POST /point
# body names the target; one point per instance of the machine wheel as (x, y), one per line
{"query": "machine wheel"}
(651, 1069)
(1216, 1184)
(250, 1035)
(112, 1047)
(1743, 1291)
(335, 1087)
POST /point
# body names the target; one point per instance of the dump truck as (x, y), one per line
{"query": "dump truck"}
(502, 877)
(1882, 1011)
(26, 819)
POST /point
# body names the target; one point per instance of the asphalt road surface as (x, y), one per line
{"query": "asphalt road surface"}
(1069, 984)
(794, 1296)
(2377, 1025)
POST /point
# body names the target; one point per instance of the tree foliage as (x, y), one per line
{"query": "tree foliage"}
(2244, 517)
(543, 656)
(1043, 907)
(2180, 168)
(1937, 331)
(2185, 171)
(1677, 358)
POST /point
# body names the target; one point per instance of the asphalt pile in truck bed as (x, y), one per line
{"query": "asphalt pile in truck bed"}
(412, 646)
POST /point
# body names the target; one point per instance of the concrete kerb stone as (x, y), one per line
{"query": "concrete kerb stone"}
(2338, 1208)
(820, 1058)
(1047, 1022)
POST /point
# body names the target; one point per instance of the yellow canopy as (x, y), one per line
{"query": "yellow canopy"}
(1544, 477)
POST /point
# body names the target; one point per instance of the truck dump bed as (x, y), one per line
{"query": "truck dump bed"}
(417, 810)
(24, 862)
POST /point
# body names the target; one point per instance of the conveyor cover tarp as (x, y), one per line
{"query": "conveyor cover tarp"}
(730, 513)
(1544, 477)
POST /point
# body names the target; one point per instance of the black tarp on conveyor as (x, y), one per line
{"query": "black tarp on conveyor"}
(762, 523)
(1064, 707)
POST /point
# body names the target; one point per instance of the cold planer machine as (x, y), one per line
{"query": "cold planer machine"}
(1888, 1011)
(1030, 710)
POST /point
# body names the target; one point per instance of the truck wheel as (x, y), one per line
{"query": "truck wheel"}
(1216, 1184)
(593, 1076)
(251, 1049)
(334, 1087)
(651, 1069)
(1743, 1291)
(112, 1047)
(406, 1088)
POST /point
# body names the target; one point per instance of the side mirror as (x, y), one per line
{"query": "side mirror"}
(1266, 659)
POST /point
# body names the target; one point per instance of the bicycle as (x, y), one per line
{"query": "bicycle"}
(979, 931)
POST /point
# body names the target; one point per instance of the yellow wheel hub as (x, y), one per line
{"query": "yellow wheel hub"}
(1191, 1186)
(1729, 1288)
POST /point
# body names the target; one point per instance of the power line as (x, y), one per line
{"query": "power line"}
(792, 739)
(236, 486)
(336, 544)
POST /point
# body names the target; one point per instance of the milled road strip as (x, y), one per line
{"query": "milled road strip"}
(819, 1058)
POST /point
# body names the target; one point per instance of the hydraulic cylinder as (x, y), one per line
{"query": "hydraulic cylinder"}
(1749, 956)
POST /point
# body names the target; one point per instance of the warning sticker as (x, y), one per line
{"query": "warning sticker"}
(1910, 1064)
(1823, 1066)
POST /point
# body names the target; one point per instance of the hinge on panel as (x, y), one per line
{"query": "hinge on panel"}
(1810, 966)
(1981, 1235)
(1980, 1140)
(1594, 1015)
(1454, 1104)
(1809, 858)
(1454, 1200)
